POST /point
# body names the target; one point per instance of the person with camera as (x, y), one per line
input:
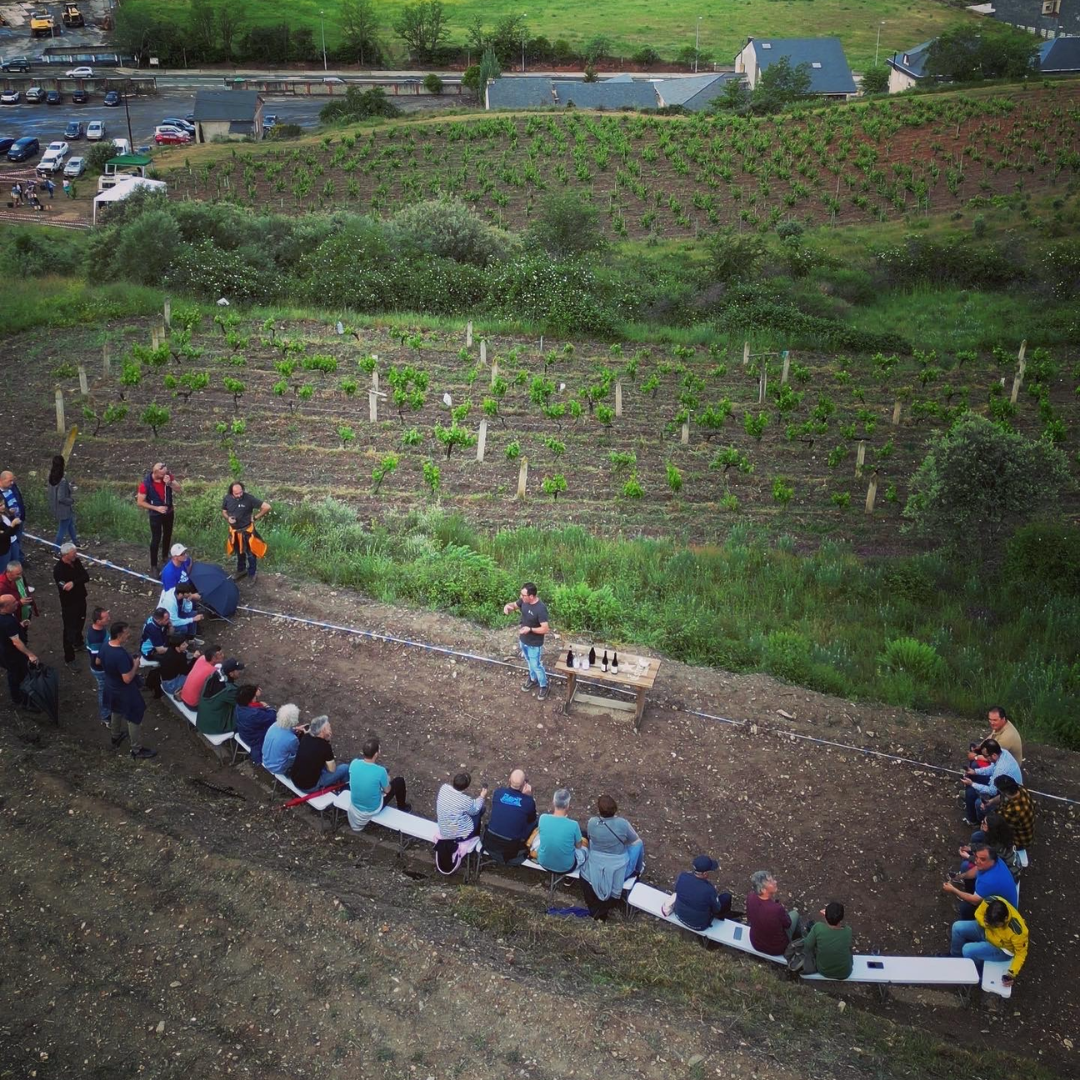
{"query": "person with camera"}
(997, 932)
(155, 496)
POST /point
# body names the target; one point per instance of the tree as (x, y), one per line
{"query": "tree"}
(596, 48)
(507, 37)
(423, 27)
(155, 417)
(979, 480)
(470, 79)
(734, 98)
(567, 226)
(780, 85)
(360, 30)
(358, 104)
(230, 19)
(134, 32)
(490, 69)
(875, 79)
(971, 52)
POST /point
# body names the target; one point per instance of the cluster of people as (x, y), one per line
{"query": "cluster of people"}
(25, 192)
(606, 853)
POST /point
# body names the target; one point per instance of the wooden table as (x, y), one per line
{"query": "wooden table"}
(631, 677)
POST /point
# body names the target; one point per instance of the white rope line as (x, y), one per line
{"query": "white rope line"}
(391, 639)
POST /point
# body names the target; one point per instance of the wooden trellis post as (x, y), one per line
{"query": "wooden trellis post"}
(684, 438)
(523, 476)
(763, 381)
(860, 457)
(468, 334)
(481, 440)
(494, 371)
(483, 350)
(745, 353)
(84, 388)
(787, 368)
(155, 338)
(1021, 367)
(871, 494)
(618, 397)
(106, 359)
(896, 412)
(373, 405)
(60, 425)
(168, 313)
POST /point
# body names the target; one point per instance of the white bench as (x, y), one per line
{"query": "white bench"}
(993, 970)
(1022, 857)
(879, 970)
(390, 817)
(239, 747)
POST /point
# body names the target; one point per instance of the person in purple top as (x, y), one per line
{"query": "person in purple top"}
(772, 926)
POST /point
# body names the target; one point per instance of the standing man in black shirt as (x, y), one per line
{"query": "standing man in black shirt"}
(16, 657)
(241, 510)
(534, 626)
(71, 578)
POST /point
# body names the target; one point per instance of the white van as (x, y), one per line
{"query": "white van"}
(122, 146)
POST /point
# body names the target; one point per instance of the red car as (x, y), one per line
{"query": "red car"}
(171, 137)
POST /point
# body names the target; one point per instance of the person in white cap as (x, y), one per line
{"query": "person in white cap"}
(177, 569)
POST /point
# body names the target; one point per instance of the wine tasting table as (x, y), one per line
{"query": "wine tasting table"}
(636, 674)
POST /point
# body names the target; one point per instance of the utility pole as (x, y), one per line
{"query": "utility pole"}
(322, 24)
(127, 113)
(697, 43)
(524, 16)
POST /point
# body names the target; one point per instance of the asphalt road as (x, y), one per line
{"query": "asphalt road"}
(47, 122)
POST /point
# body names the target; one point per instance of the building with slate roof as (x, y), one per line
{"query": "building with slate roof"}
(695, 92)
(830, 76)
(1045, 18)
(228, 114)
(908, 69)
(1060, 56)
(536, 92)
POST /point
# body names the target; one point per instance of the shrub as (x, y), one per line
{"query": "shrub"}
(581, 607)
(155, 417)
(782, 491)
(552, 485)
(387, 464)
(358, 104)
(567, 225)
(432, 83)
(513, 450)
(906, 655)
(632, 489)
(786, 654)
(450, 229)
(1044, 556)
(674, 479)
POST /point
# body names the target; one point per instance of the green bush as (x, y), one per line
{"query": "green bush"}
(786, 654)
(449, 229)
(906, 655)
(1044, 556)
(580, 607)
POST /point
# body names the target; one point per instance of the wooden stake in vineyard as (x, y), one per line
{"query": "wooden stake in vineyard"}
(787, 367)
(860, 457)
(523, 477)
(871, 494)
(481, 440)
(685, 436)
(618, 397)
(1021, 367)
(468, 334)
(60, 425)
(896, 412)
(494, 371)
(168, 313)
(745, 353)
(106, 359)
(763, 381)
(483, 350)
(84, 389)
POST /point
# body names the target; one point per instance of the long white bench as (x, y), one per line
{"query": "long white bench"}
(319, 803)
(1022, 857)
(189, 715)
(881, 970)
(390, 817)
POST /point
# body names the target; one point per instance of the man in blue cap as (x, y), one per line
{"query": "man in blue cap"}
(696, 901)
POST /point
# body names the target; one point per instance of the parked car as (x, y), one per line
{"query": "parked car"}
(74, 130)
(23, 149)
(183, 125)
(269, 120)
(75, 167)
(54, 97)
(6, 143)
(79, 97)
(10, 97)
(122, 146)
(95, 130)
(112, 99)
(35, 94)
(52, 161)
(171, 137)
(15, 63)
(80, 73)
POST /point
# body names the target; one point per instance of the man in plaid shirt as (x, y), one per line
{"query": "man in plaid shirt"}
(1018, 809)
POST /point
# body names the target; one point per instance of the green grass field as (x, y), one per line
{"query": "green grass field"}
(630, 24)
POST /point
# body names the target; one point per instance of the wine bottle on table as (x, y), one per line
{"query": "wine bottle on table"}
(604, 663)
(615, 664)
(570, 658)
(592, 658)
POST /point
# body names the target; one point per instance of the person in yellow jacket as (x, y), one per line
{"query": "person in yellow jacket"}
(241, 510)
(996, 933)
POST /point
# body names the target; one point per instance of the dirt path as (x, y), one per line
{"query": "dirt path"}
(830, 823)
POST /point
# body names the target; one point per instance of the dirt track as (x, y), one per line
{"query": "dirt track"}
(122, 882)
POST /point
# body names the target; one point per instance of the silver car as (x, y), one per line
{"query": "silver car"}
(75, 167)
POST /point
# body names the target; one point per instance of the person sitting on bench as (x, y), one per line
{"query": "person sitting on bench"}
(557, 844)
(314, 767)
(996, 832)
(616, 853)
(992, 878)
(282, 740)
(996, 933)
(1016, 807)
(980, 785)
(254, 718)
(216, 713)
(697, 903)
(826, 949)
(772, 927)
(176, 664)
(201, 670)
(513, 817)
(458, 815)
(370, 785)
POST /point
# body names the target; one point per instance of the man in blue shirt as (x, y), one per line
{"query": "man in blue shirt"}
(370, 785)
(560, 846)
(697, 902)
(177, 569)
(513, 817)
(992, 878)
(15, 510)
(979, 784)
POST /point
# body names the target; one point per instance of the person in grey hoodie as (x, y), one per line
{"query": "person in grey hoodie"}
(62, 502)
